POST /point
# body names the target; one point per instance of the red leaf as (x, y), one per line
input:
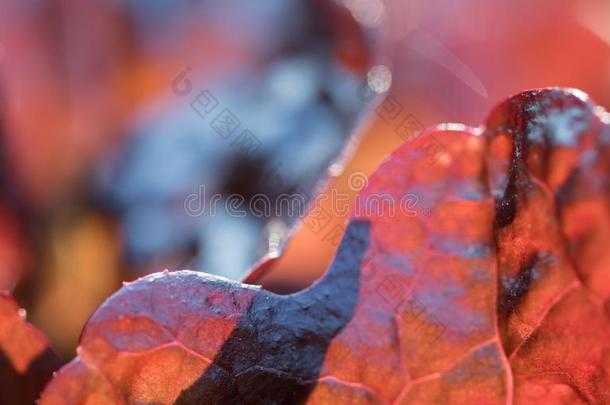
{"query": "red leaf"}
(486, 283)
(26, 361)
(553, 236)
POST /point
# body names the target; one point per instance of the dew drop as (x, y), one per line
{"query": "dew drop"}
(335, 169)
(379, 79)
(369, 13)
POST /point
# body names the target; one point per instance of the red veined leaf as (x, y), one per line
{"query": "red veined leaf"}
(549, 168)
(469, 273)
(26, 361)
